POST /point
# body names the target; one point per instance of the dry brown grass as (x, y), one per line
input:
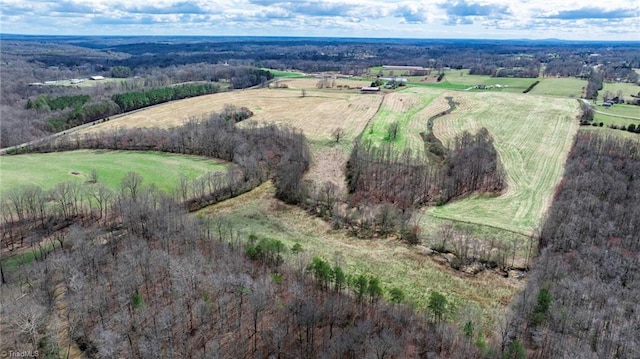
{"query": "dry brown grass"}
(316, 114)
(311, 83)
(328, 164)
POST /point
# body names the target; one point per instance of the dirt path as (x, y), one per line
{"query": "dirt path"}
(60, 323)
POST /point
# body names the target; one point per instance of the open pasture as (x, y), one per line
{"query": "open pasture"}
(48, 169)
(560, 87)
(631, 112)
(462, 77)
(410, 108)
(396, 264)
(508, 84)
(608, 120)
(532, 135)
(627, 89)
(317, 114)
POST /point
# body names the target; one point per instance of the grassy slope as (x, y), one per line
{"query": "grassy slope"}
(532, 135)
(48, 169)
(613, 87)
(621, 110)
(409, 107)
(396, 264)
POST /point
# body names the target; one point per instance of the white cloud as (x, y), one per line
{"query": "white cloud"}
(571, 19)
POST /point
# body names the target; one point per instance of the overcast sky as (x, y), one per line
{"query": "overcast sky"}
(481, 19)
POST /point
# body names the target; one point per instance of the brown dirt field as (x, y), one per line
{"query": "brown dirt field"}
(316, 114)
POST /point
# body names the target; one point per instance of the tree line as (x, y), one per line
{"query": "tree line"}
(382, 175)
(130, 101)
(142, 279)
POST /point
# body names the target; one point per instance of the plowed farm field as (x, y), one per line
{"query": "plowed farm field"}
(532, 136)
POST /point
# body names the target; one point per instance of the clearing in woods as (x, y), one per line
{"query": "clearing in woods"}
(398, 265)
(46, 170)
(532, 135)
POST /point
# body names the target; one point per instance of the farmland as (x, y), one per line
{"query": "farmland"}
(410, 108)
(626, 89)
(461, 80)
(316, 114)
(532, 138)
(560, 87)
(534, 129)
(48, 169)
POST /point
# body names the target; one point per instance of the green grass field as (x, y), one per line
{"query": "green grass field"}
(286, 74)
(48, 169)
(532, 135)
(444, 84)
(627, 89)
(462, 77)
(410, 108)
(608, 120)
(620, 110)
(609, 131)
(560, 87)
(397, 265)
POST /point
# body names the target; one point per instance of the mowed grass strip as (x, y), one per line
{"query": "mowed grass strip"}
(316, 113)
(609, 119)
(48, 169)
(532, 135)
(397, 265)
(286, 74)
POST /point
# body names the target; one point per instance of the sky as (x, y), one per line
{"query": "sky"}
(460, 19)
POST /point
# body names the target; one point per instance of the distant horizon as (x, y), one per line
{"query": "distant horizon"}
(316, 37)
(568, 20)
